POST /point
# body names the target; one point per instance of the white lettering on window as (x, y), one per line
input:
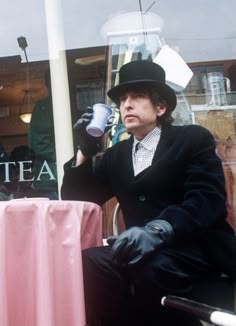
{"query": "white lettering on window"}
(7, 170)
(45, 169)
(22, 170)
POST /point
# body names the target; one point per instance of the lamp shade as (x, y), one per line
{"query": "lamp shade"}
(26, 117)
(27, 107)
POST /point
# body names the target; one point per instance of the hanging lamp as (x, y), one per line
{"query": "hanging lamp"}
(27, 103)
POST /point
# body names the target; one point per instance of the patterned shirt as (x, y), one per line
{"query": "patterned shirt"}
(143, 151)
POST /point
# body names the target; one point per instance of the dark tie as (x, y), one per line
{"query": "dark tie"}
(137, 147)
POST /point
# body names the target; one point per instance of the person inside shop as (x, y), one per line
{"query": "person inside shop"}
(21, 163)
(171, 189)
(41, 139)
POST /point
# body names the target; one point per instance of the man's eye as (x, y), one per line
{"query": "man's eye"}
(123, 99)
(140, 95)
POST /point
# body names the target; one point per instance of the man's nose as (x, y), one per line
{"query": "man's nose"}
(128, 102)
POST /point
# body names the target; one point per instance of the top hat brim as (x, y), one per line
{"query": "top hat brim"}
(165, 91)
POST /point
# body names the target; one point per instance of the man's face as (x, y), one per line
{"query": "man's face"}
(138, 114)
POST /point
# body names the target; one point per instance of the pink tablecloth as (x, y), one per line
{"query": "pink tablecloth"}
(41, 281)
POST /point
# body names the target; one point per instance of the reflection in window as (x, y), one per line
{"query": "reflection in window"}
(196, 84)
(89, 93)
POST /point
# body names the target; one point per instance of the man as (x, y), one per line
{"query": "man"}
(170, 186)
(42, 140)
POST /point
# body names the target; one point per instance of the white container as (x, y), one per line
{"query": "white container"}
(101, 115)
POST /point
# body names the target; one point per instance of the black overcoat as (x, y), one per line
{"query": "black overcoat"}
(184, 185)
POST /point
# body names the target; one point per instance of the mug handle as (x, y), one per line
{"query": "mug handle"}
(111, 119)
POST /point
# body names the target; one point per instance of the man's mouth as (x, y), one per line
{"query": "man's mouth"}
(130, 116)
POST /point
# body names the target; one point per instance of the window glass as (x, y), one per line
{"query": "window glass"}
(57, 58)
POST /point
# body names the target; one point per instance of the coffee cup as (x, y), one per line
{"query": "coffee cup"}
(102, 114)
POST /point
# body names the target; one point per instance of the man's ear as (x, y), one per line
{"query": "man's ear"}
(160, 109)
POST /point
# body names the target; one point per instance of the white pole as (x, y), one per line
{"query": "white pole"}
(60, 87)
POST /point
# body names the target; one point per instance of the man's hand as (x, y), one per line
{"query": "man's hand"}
(134, 244)
(88, 145)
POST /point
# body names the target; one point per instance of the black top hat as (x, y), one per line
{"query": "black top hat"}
(143, 73)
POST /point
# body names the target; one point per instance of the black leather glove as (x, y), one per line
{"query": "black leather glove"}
(88, 144)
(134, 244)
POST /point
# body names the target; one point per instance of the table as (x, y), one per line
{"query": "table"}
(41, 282)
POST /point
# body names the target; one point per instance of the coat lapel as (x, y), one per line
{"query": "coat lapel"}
(166, 139)
(128, 158)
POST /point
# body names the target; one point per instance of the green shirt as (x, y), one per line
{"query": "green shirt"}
(42, 140)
